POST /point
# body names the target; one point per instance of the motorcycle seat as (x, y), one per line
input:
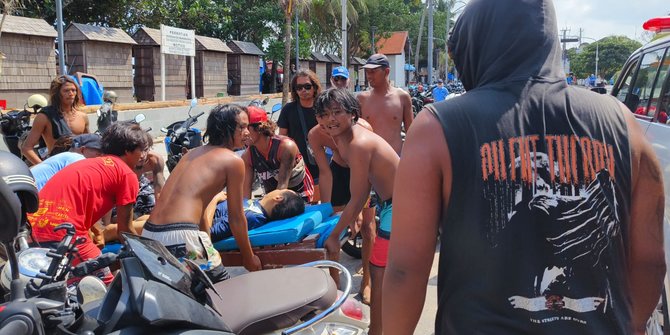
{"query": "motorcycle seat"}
(264, 301)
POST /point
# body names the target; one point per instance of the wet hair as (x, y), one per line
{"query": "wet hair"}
(124, 136)
(339, 96)
(312, 78)
(266, 128)
(222, 123)
(290, 206)
(54, 91)
(62, 144)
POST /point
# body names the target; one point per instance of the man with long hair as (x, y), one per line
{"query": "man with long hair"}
(297, 118)
(200, 175)
(61, 117)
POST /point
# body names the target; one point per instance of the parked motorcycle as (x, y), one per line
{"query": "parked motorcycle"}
(106, 113)
(181, 136)
(155, 293)
(15, 126)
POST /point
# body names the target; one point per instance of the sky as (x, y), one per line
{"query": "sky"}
(602, 18)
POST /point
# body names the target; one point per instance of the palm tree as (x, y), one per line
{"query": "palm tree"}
(289, 7)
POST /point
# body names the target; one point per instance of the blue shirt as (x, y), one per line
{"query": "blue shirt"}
(48, 168)
(253, 211)
(440, 93)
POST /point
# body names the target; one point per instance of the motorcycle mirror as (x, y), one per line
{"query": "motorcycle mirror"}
(276, 107)
(164, 130)
(266, 100)
(194, 102)
(140, 117)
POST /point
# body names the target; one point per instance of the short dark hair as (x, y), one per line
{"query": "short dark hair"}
(340, 96)
(123, 136)
(290, 206)
(222, 123)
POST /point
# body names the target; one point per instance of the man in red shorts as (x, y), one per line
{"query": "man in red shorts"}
(84, 191)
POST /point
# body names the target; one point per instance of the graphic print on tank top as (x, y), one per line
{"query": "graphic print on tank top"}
(556, 194)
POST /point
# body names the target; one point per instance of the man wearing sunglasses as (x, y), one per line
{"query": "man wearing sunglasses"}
(297, 118)
(340, 77)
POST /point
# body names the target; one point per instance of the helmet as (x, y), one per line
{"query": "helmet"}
(37, 101)
(18, 177)
(109, 96)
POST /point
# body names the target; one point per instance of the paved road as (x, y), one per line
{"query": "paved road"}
(426, 323)
(161, 117)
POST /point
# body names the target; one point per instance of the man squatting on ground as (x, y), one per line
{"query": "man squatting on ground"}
(548, 199)
(84, 191)
(200, 175)
(372, 162)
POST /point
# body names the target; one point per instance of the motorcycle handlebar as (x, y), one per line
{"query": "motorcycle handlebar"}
(88, 267)
(199, 115)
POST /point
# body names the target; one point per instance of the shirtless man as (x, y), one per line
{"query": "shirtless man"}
(201, 174)
(386, 108)
(335, 179)
(373, 163)
(60, 118)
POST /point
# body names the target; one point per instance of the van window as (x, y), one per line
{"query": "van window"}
(627, 81)
(662, 92)
(640, 94)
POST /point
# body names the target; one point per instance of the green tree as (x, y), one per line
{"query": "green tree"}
(612, 54)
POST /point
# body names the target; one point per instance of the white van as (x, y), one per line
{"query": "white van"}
(644, 86)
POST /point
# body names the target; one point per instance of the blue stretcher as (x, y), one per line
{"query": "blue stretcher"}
(296, 240)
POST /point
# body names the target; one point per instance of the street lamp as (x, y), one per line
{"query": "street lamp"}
(596, 42)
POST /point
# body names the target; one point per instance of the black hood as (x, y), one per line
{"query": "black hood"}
(504, 41)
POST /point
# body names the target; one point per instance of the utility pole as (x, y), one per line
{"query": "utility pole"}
(446, 48)
(374, 29)
(61, 43)
(430, 42)
(344, 33)
(297, 48)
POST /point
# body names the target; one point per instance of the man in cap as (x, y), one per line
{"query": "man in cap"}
(340, 77)
(78, 148)
(440, 92)
(386, 108)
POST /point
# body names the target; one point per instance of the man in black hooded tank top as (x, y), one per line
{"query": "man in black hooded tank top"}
(548, 199)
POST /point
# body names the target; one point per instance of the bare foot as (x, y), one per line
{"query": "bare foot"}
(365, 295)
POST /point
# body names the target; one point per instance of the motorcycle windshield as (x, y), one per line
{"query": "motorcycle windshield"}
(160, 263)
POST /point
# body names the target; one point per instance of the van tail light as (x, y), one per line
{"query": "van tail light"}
(657, 24)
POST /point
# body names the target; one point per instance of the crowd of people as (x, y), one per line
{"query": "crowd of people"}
(547, 200)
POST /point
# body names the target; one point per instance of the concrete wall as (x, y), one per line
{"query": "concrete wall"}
(29, 67)
(215, 73)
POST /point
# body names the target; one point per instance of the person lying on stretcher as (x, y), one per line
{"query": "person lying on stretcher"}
(276, 205)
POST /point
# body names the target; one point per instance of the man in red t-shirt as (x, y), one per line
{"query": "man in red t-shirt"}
(84, 191)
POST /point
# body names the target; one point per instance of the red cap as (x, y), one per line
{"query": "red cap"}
(256, 115)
